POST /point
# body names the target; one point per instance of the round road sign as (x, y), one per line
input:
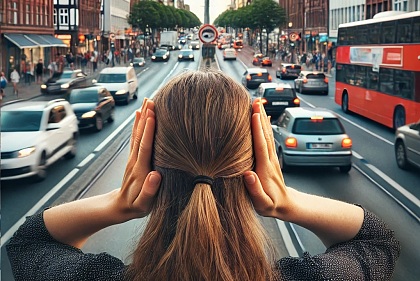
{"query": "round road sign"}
(207, 33)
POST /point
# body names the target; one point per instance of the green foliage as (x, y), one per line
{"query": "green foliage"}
(149, 13)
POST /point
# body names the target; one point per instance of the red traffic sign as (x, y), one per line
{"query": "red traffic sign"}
(207, 33)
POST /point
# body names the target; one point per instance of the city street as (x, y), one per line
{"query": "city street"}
(375, 181)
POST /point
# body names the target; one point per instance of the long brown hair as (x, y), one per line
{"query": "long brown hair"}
(206, 231)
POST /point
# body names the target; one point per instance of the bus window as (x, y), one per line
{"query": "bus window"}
(416, 30)
(372, 81)
(404, 31)
(362, 37)
(342, 36)
(340, 74)
(388, 32)
(360, 76)
(350, 74)
(404, 82)
(375, 33)
(386, 80)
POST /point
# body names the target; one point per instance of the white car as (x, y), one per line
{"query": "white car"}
(120, 81)
(34, 135)
(229, 54)
(407, 145)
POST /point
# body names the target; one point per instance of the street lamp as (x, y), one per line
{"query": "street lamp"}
(290, 25)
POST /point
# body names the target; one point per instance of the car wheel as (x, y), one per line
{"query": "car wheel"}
(345, 103)
(135, 94)
(283, 166)
(99, 123)
(127, 100)
(400, 155)
(111, 117)
(41, 169)
(399, 117)
(345, 169)
(73, 150)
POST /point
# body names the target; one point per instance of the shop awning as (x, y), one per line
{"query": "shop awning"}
(20, 41)
(34, 40)
(323, 37)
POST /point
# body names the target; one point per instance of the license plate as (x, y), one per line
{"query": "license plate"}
(280, 103)
(320, 145)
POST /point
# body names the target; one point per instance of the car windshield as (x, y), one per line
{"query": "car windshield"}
(315, 76)
(138, 60)
(20, 121)
(160, 52)
(84, 97)
(111, 78)
(186, 52)
(322, 126)
(274, 93)
(66, 75)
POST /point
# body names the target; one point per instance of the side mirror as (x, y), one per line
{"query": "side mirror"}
(94, 81)
(53, 126)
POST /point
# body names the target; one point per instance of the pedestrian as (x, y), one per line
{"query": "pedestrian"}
(39, 70)
(3, 84)
(15, 77)
(202, 179)
(52, 67)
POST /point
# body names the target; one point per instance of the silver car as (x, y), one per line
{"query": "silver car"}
(312, 137)
(312, 82)
(407, 145)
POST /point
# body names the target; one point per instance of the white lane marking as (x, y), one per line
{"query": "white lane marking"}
(287, 239)
(86, 160)
(5, 238)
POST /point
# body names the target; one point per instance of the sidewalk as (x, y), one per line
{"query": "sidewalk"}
(32, 90)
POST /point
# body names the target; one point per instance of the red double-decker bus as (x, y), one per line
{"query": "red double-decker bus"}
(378, 68)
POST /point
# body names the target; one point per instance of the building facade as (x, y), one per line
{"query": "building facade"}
(406, 5)
(115, 13)
(27, 34)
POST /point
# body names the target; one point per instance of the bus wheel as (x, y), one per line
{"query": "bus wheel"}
(345, 103)
(399, 117)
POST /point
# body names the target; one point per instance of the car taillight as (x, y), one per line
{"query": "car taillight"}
(296, 101)
(283, 70)
(248, 77)
(269, 78)
(346, 143)
(326, 80)
(264, 101)
(305, 80)
(291, 142)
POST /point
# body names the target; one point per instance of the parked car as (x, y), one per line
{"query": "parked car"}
(34, 135)
(161, 55)
(138, 62)
(186, 54)
(63, 83)
(288, 70)
(120, 81)
(312, 137)
(195, 45)
(257, 59)
(311, 82)
(229, 54)
(253, 77)
(407, 145)
(276, 97)
(266, 61)
(92, 107)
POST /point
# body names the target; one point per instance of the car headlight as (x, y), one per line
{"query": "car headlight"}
(131, 64)
(43, 86)
(164, 57)
(65, 86)
(153, 57)
(121, 92)
(180, 56)
(25, 152)
(89, 114)
(191, 56)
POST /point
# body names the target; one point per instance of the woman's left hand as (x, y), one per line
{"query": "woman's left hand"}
(140, 183)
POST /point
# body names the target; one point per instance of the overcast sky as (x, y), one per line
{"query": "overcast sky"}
(216, 8)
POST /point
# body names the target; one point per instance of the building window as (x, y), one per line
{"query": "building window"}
(64, 16)
(55, 16)
(37, 15)
(13, 13)
(28, 14)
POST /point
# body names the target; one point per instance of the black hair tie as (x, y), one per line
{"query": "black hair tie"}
(203, 179)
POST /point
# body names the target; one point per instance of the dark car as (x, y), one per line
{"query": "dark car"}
(138, 62)
(407, 146)
(312, 82)
(186, 54)
(161, 55)
(92, 106)
(275, 97)
(288, 70)
(253, 77)
(63, 83)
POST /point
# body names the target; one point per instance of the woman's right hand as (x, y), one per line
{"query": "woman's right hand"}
(266, 185)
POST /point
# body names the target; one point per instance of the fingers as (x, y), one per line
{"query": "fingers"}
(146, 144)
(260, 199)
(148, 192)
